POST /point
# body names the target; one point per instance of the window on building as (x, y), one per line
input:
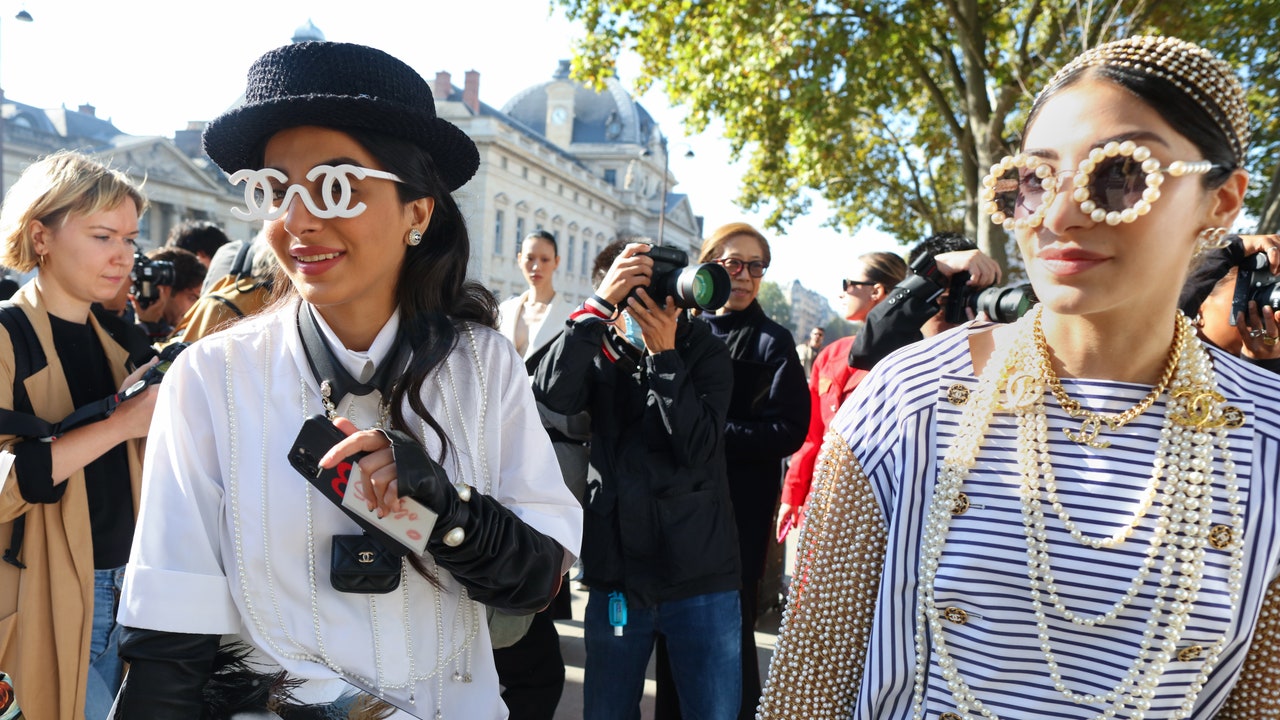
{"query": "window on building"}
(519, 233)
(611, 176)
(524, 173)
(544, 181)
(585, 253)
(569, 267)
(503, 163)
(498, 231)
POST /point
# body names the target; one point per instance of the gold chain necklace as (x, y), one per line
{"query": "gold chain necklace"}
(1093, 423)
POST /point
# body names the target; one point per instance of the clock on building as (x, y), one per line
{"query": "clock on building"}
(559, 115)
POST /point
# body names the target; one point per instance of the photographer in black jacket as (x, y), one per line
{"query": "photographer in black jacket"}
(660, 549)
(913, 310)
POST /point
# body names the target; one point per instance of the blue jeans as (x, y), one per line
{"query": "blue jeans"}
(704, 639)
(105, 667)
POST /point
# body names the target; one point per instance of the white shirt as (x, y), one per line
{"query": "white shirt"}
(232, 540)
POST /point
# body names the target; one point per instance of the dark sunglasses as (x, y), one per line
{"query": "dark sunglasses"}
(755, 268)
(849, 284)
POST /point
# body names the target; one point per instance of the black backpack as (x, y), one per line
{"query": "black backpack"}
(29, 359)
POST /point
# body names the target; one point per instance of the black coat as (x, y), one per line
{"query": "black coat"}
(658, 521)
(767, 422)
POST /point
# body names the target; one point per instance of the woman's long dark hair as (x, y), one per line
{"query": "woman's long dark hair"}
(433, 293)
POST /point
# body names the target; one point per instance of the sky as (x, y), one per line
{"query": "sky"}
(151, 66)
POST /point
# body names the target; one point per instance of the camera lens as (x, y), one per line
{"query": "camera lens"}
(1005, 304)
(702, 287)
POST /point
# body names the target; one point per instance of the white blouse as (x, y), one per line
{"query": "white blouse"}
(232, 540)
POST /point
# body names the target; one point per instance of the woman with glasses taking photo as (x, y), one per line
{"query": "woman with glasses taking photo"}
(1073, 515)
(767, 419)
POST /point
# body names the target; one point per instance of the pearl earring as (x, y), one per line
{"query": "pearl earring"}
(415, 237)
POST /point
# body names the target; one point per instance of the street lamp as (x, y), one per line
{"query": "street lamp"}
(662, 198)
(22, 16)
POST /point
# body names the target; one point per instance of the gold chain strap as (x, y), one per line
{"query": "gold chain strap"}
(1093, 423)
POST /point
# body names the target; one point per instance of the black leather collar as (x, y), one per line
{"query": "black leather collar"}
(325, 366)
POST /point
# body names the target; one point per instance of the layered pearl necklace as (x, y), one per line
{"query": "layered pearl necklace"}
(1181, 487)
(466, 618)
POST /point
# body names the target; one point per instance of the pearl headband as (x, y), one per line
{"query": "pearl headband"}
(1203, 77)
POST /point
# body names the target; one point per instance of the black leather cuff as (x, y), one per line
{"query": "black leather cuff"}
(421, 478)
(503, 562)
(167, 674)
(500, 559)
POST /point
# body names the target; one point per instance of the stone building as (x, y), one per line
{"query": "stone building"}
(809, 309)
(585, 165)
(180, 185)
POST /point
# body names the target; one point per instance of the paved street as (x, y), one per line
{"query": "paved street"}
(571, 646)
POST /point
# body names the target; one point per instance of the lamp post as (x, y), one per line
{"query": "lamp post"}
(22, 16)
(662, 197)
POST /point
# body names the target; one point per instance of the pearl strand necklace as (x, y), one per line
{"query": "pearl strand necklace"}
(1188, 526)
(323, 658)
(1175, 496)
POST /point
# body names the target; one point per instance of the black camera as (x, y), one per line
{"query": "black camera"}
(155, 373)
(1001, 304)
(168, 354)
(1255, 282)
(704, 286)
(148, 275)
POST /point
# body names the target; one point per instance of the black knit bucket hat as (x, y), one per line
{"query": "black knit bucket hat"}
(337, 85)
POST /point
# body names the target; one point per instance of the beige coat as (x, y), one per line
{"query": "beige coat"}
(46, 610)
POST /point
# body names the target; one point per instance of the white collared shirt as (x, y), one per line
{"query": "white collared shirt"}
(232, 540)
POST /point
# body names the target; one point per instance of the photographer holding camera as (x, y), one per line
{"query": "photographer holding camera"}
(68, 506)
(167, 283)
(919, 306)
(1233, 294)
(936, 296)
(660, 549)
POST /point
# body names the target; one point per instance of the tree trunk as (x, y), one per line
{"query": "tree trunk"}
(1269, 217)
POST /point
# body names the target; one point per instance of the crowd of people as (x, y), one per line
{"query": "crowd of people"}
(324, 474)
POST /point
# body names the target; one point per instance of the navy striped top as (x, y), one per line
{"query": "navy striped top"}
(899, 425)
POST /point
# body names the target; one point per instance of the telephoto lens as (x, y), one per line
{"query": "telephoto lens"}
(705, 287)
(1005, 304)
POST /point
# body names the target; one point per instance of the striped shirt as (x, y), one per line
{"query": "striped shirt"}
(899, 424)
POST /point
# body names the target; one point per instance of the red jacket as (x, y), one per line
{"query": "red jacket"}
(830, 383)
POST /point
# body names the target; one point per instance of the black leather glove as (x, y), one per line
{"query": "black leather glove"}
(167, 674)
(502, 562)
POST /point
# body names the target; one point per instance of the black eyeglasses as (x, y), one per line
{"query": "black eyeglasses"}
(854, 283)
(755, 268)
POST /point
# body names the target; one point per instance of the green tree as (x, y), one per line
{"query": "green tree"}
(836, 328)
(892, 110)
(774, 303)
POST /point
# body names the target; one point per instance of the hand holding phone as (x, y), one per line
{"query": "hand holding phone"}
(410, 526)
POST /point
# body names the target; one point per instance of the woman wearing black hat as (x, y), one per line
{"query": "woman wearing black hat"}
(343, 158)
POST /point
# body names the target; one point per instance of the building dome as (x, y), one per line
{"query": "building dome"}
(307, 31)
(611, 116)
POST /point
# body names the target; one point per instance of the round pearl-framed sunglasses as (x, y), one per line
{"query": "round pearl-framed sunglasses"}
(1116, 184)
